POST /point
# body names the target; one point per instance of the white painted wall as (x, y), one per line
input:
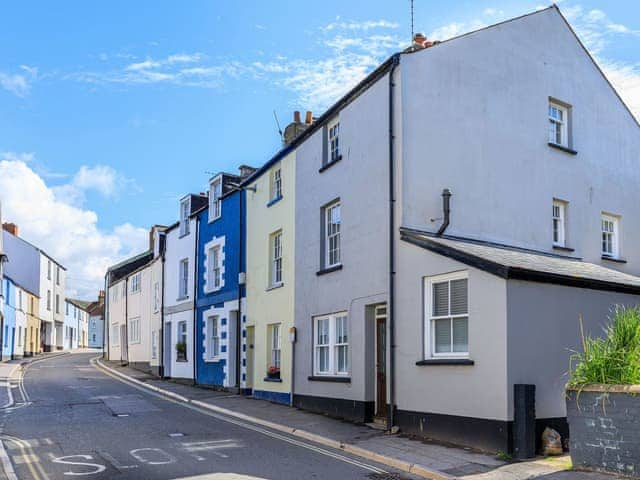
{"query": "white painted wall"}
(475, 120)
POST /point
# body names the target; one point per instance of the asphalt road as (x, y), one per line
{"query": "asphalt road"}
(74, 421)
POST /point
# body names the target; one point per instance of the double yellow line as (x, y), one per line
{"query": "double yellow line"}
(35, 468)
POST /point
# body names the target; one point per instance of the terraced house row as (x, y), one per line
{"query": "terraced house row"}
(35, 314)
(416, 253)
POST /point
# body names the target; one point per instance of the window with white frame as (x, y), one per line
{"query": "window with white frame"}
(48, 299)
(332, 234)
(213, 337)
(331, 344)
(184, 217)
(20, 299)
(124, 289)
(276, 183)
(115, 335)
(57, 275)
(156, 297)
(274, 343)
(334, 141)
(134, 330)
(135, 283)
(610, 235)
(559, 222)
(447, 313)
(181, 346)
(276, 258)
(215, 202)
(48, 269)
(558, 124)
(183, 280)
(214, 269)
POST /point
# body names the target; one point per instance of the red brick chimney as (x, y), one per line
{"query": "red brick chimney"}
(12, 228)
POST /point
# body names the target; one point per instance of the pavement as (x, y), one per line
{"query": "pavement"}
(426, 459)
(71, 418)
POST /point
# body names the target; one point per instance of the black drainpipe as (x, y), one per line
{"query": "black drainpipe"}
(195, 303)
(126, 322)
(162, 238)
(392, 201)
(446, 211)
(239, 320)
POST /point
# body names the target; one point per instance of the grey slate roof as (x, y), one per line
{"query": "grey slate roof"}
(515, 263)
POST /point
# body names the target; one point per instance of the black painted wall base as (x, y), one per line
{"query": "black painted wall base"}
(480, 433)
(353, 410)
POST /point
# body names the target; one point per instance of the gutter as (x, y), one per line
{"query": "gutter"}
(392, 202)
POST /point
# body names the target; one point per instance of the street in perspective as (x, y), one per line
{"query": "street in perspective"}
(269, 240)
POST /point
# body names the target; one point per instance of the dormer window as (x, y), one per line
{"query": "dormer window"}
(215, 202)
(184, 217)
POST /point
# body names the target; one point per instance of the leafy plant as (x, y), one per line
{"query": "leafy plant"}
(181, 347)
(613, 359)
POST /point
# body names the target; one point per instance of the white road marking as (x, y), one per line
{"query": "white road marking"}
(6, 464)
(138, 456)
(64, 460)
(116, 464)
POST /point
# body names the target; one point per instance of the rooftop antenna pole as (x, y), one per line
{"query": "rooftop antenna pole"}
(275, 116)
(411, 20)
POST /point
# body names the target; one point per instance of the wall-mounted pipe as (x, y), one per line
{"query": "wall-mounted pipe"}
(446, 210)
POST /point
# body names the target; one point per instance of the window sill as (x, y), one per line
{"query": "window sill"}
(213, 219)
(445, 361)
(180, 299)
(182, 235)
(563, 148)
(330, 164)
(613, 259)
(274, 286)
(273, 201)
(322, 378)
(212, 360)
(324, 271)
(276, 380)
(563, 249)
(182, 361)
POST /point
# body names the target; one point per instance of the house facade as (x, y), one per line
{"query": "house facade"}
(179, 291)
(95, 332)
(270, 218)
(507, 236)
(32, 343)
(76, 323)
(123, 281)
(52, 291)
(8, 333)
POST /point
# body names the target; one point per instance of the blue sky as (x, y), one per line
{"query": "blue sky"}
(110, 111)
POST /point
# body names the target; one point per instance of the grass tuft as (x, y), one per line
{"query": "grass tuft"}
(613, 359)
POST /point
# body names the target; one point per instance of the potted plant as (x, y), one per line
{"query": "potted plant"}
(181, 351)
(603, 405)
(273, 373)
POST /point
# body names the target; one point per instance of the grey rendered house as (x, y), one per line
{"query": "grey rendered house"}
(426, 315)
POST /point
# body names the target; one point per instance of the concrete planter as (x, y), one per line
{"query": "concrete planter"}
(604, 428)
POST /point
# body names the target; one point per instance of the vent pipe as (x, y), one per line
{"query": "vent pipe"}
(446, 210)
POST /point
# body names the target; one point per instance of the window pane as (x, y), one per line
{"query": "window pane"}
(343, 365)
(460, 335)
(341, 330)
(323, 331)
(440, 299)
(442, 333)
(459, 297)
(323, 359)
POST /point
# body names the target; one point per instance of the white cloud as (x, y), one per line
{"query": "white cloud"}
(626, 79)
(65, 230)
(362, 25)
(19, 83)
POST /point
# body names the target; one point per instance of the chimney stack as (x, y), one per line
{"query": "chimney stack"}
(296, 127)
(245, 171)
(12, 228)
(101, 297)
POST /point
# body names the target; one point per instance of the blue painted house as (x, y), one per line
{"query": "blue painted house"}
(220, 299)
(10, 292)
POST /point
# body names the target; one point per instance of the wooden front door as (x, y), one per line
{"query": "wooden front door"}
(381, 362)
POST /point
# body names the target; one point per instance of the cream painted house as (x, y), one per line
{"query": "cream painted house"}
(270, 214)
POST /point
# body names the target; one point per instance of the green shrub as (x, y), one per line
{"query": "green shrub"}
(613, 359)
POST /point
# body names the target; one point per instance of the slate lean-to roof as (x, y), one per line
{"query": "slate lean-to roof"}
(522, 264)
(81, 304)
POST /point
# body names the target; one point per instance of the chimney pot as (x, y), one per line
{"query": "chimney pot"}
(308, 119)
(12, 228)
(296, 116)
